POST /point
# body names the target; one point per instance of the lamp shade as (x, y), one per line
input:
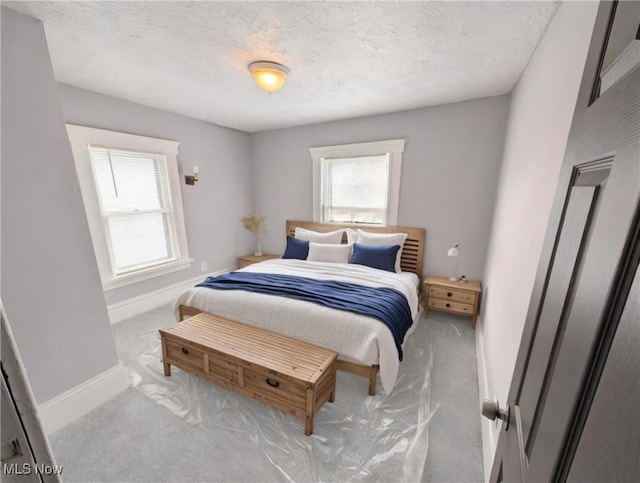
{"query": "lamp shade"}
(270, 76)
(453, 251)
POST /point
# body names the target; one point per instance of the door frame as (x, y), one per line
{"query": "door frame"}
(34, 442)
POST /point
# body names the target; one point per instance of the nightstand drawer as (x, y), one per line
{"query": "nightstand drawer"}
(452, 306)
(452, 294)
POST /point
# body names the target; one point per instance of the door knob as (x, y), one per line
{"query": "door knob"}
(492, 411)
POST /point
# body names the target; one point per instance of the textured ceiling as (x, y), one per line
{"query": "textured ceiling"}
(345, 59)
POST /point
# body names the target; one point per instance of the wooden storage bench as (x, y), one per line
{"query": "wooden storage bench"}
(286, 373)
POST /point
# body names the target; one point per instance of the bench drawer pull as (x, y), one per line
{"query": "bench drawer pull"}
(449, 294)
(448, 305)
(273, 383)
(185, 350)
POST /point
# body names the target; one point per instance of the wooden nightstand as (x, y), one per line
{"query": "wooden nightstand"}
(249, 259)
(449, 296)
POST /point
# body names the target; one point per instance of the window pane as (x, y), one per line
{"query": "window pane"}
(139, 240)
(355, 189)
(127, 182)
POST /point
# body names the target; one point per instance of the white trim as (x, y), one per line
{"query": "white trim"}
(123, 141)
(61, 410)
(486, 425)
(395, 171)
(140, 275)
(393, 147)
(142, 303)
(81, 138)
(358, 149)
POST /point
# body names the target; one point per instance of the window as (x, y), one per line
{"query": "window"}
(135, 205)
(355, 189)
(357, 183)
(132, 199)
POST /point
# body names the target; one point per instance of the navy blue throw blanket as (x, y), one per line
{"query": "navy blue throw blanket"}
(385, 304)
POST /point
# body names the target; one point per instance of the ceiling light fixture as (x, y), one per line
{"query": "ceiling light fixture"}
(269, 75)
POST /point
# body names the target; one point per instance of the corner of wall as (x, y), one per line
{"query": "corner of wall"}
(65, 408)
(51, 241)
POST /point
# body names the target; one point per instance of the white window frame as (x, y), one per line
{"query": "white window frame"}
(81, 138)
(392, 147)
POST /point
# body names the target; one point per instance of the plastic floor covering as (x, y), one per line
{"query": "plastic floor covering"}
(357, 438)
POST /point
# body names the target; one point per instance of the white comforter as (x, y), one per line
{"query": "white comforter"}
(354, 337)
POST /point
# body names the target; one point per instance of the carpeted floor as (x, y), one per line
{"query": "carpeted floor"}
(455, 440)
(185, 429)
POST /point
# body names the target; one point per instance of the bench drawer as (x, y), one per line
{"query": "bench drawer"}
(289, 394)
(217, 365)
(185, 355)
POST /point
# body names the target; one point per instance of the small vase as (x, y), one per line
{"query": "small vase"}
(258, 252)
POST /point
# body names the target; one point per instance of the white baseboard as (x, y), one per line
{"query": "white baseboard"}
(487, 426)
(78, 401)
(142, 303)
(56, 413)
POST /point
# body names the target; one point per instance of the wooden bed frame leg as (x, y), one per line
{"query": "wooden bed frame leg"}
(186, 312)
(373, 374)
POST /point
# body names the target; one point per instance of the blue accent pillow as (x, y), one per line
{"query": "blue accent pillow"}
(382, 257)
(296, 248)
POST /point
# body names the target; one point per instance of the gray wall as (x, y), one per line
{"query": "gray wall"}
(50, 284)
(449, 174)
(212, 208)
(541, 111)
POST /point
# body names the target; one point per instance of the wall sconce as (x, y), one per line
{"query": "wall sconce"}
(454, 252)
(191, 179)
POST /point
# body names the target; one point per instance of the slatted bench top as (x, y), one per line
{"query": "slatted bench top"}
(294, 358)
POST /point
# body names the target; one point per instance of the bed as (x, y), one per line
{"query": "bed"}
(365, 346)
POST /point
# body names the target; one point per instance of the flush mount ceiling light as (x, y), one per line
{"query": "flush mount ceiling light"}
(269, 75)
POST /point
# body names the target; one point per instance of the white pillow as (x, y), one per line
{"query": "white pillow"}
(334, 237)
(378, 239)
(325, 252)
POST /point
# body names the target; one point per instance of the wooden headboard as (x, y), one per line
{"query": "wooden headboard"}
(412, 252)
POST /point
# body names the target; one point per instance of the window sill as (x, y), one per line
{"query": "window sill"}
(147, 274)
